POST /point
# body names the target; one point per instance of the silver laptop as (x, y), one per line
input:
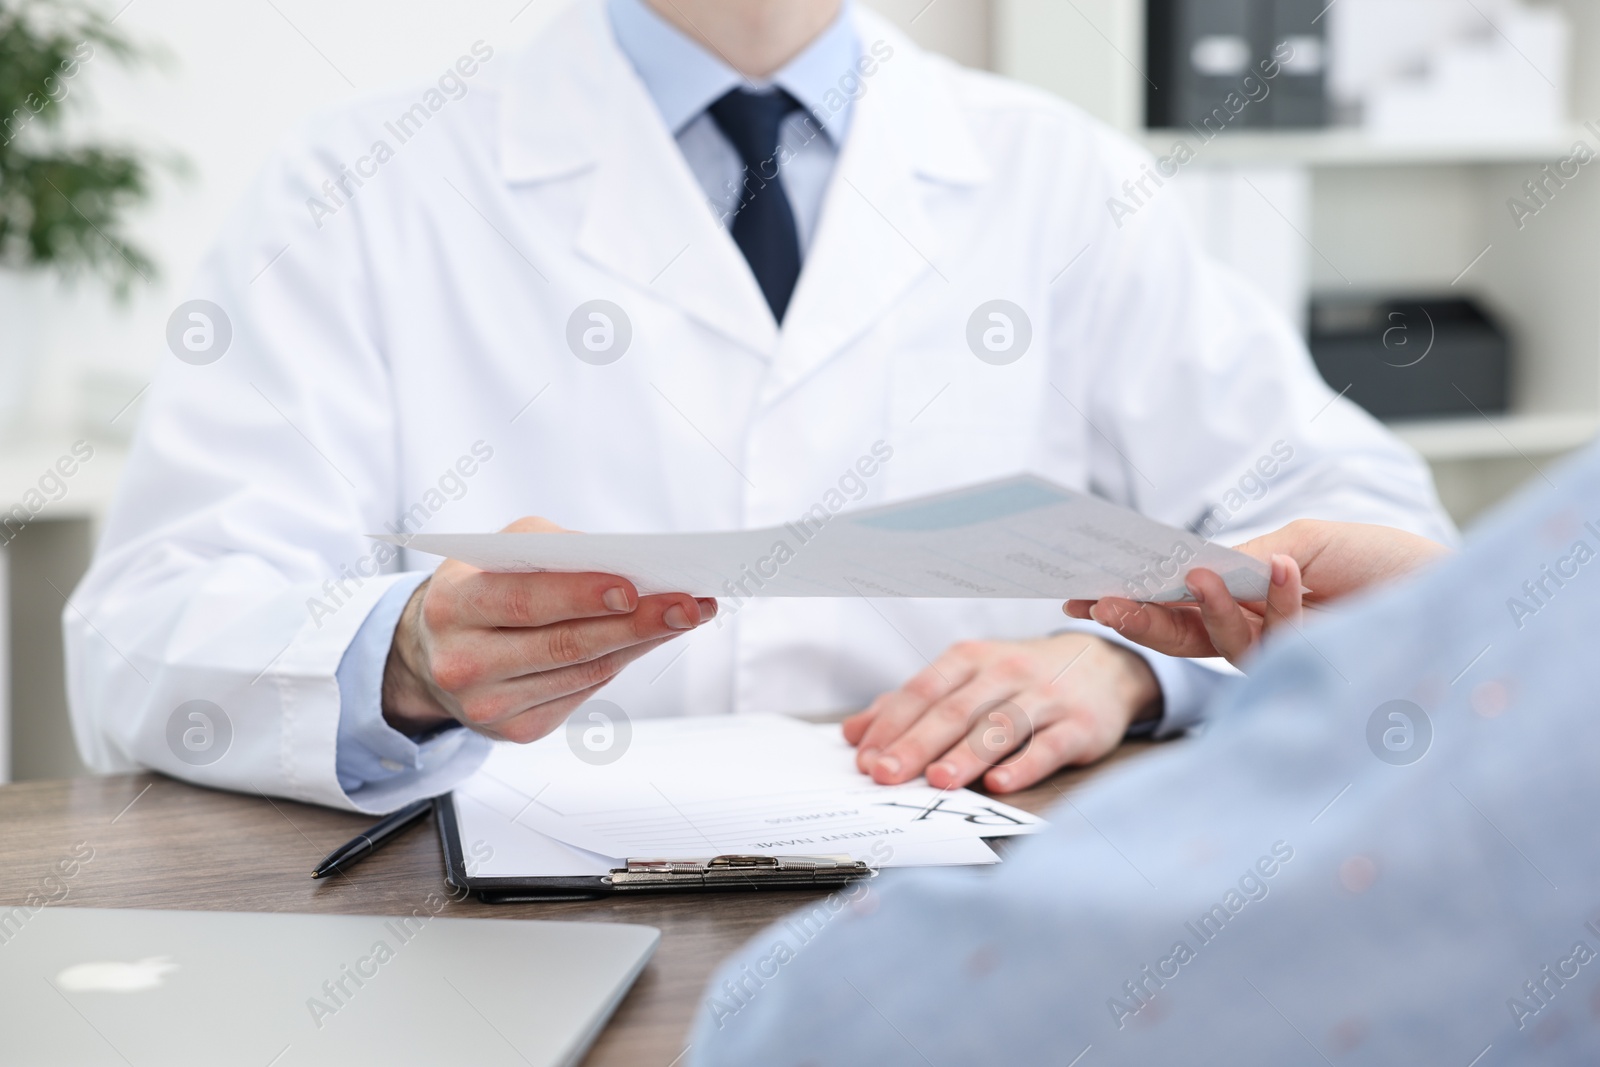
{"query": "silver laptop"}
(118, 987)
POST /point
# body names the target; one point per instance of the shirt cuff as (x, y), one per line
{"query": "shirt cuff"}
(371, 753)
(1187, 688)
(1187, 685)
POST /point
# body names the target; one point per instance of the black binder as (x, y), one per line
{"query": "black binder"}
(1178, 92)
(1299, 93)
(1182, 94)
(720, 873)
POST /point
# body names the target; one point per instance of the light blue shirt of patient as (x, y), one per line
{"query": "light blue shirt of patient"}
(1383, 850)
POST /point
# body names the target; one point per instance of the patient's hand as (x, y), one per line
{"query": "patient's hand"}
(1333, 559)
(1013, 712)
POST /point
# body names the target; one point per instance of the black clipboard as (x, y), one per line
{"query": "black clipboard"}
(718, 874)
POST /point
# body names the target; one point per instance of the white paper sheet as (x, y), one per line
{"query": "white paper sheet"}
(869, 824)
(695, 788)
(962, 852)
(504, 848)
(1021, 537)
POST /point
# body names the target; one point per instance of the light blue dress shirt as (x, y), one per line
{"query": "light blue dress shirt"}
(1381, 851)
(370, 750)
(684, 79)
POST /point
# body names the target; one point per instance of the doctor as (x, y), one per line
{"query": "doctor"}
(502, 293)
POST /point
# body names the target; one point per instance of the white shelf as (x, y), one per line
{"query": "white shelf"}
(1353, 148)
(1498, 436)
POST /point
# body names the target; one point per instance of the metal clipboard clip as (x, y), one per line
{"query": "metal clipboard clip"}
(738, 872)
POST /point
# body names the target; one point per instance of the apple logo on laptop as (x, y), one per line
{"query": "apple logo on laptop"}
(112, 976)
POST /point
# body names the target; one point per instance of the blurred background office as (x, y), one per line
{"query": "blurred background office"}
(1415, 183)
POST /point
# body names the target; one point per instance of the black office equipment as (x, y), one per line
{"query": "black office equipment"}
(1217, 65)
(1412, 358)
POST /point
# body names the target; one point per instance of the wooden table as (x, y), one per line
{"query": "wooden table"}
(159, 843)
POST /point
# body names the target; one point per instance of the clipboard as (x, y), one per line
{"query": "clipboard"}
(717, 874)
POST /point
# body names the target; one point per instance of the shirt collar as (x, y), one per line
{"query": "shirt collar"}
(684, 79)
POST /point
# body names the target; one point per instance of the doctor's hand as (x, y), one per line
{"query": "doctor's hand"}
(1333, 559)
(511, 655)
(1012, 712)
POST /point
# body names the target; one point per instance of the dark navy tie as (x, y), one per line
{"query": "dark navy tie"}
(763, 227)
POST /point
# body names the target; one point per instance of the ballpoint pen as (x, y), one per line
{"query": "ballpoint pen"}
(357, 847)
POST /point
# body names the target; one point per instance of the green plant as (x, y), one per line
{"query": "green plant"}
(62, 203)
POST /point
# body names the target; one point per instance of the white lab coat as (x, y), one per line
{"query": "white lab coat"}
(375, 347)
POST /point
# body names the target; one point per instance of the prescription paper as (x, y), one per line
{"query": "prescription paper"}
(690, 789)
(1021, 537)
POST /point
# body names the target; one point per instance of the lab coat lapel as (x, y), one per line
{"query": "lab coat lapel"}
(875, 238)
(646, 219)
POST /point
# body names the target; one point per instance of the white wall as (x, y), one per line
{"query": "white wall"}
(1089, 51)
(235, 77)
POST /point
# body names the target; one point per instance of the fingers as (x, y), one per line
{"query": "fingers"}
(975, 715)
(516, 709)
(537, 599)
(1127, 617)
(855, 727)
(1283, 595)
(1175, 629)
(492, 650)
(996, 732)
(939, 730)
(1216, 625)
(468, 657)
(893, 713)
(1065, 743)
(534, 524)
(482, 598)
(1233, 632)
